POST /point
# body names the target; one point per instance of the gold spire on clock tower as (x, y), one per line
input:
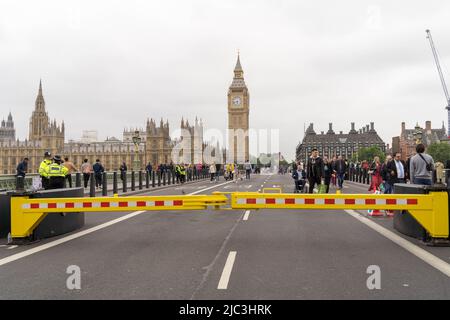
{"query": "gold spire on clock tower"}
(238, 116)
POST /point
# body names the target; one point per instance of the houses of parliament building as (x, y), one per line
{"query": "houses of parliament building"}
(46, 135)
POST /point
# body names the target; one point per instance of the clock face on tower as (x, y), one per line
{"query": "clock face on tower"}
(236, 101)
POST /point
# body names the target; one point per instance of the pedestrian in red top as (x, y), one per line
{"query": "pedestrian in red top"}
(375, 172)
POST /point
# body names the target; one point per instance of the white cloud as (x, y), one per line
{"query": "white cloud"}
(107, 65)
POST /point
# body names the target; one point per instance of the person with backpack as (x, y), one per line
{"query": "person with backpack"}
(421, 167)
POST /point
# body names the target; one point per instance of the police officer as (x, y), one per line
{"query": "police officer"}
(43, 169)
(57, 173)
(181, 172)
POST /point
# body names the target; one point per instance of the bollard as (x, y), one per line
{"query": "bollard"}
(147, 179)
(173, 177)
(140, 180)
(164, 178)
(124, 182)
(153, 179)
(159, 178)
(20, 183)
(104, 184)
(92, 186)
(168, 177)
(133, 182)
(115, 189)
(78, 180)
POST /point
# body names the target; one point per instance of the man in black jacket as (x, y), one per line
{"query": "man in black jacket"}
(22, 168)
(396, 170)
(340, 168)
(314, 170)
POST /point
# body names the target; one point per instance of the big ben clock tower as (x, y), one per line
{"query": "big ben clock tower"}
(238, 116)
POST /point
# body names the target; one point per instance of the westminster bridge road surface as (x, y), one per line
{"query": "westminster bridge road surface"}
(228, 254)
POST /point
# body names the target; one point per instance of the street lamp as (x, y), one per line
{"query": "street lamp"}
(136, 140)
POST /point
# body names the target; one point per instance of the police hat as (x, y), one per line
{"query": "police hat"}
(57, 158)
(47, 154)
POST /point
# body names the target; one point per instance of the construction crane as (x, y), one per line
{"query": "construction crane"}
(444, 86)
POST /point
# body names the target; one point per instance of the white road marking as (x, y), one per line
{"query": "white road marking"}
(226, 273)
(248, 187)
(420, 253)
(2, 245)
(55, 243)
(246, 215)
(11, 247)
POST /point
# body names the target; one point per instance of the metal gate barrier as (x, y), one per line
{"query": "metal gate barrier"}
(430, 210)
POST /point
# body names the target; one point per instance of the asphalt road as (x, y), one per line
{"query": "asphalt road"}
(226, 254)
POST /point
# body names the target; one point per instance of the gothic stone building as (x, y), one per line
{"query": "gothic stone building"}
(345, 144)
(45, 135)
(7, 131)
(406, 142)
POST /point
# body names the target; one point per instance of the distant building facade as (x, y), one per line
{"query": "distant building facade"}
(7, 130)
(345, 144)
(45, 135)
(406, 142)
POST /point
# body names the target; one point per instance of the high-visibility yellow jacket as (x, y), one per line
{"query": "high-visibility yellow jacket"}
(43, 168)
(181, 170)
(57, 170)
(230, 167)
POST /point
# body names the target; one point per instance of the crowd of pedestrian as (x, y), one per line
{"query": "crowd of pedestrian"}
(47, 169)
(321, 172)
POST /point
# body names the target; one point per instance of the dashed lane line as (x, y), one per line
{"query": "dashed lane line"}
(246, 215)
(55, 243)
(420, 253)
(226, 273)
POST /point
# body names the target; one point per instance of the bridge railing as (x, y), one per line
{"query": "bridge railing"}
(111, 181)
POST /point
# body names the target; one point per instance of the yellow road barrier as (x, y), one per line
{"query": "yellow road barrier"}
(430, 210)
(264, 190)
(26, 213)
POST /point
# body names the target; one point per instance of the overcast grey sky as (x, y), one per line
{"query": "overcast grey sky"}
(107, 65)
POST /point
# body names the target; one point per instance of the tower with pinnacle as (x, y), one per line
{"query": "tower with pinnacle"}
(238, 117)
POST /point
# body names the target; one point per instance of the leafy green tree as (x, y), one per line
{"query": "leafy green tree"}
(369, 153)
(439, 151)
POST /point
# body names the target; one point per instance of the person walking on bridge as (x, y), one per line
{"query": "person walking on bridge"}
(421, 167)
(248, 169)
(314, 170)
(396, 171)
(98, 171)
(86, 170)
(375, 172)
(71, 168)
(123, 171)
(212, 171)
(339, 169)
